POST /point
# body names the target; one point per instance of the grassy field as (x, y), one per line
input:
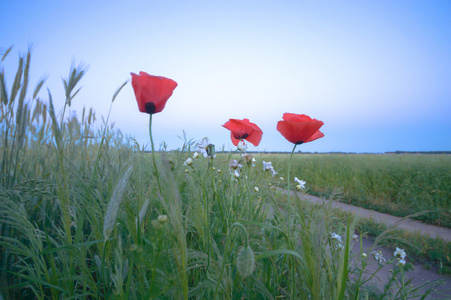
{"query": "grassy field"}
(398, 184)
(85, 214)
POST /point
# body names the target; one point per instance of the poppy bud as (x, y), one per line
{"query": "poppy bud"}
(245, 261)
(210, 150)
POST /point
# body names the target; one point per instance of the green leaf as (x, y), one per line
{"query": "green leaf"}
(278, 252)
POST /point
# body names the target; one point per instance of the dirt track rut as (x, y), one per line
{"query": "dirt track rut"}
(431, 231)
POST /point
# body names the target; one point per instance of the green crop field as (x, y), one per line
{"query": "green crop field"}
(84, 214)
(399, 184)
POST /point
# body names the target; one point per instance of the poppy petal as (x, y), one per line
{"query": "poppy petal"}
(243, 129)
(299, 129)
(152, 92)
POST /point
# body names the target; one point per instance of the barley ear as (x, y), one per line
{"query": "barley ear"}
(6, 53)
(3, 93)
(143, 211)
(55, 126)
(118, 90)
(38, 87)
(16, 85)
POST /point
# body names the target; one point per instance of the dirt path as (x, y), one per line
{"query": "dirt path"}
(431, 231)
(420, 274)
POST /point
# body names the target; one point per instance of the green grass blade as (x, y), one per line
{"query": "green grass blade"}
(277, 252)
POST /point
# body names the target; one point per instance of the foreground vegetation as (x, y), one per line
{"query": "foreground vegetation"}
(86, 214)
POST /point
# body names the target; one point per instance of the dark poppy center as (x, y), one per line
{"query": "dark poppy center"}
(239, 137)
(150, 108)
(298, 143)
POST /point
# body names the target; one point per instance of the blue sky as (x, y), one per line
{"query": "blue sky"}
(377, 73)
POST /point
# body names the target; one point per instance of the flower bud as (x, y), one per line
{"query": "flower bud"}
(210, 150)
(162, 218)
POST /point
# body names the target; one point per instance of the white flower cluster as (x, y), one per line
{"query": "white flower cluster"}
(267, 166)
(400, 254)
(234, 168)
(339, 242)
(379, 257)
(234, 165)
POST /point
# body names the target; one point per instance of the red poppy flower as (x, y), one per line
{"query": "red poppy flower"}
(152, 92)
(244, 130)
(300, 129)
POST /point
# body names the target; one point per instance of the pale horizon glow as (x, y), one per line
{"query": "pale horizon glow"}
(376, 73)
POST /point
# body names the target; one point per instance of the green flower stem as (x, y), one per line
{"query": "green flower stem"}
(153, 155)
(289, 224)
(289, 192)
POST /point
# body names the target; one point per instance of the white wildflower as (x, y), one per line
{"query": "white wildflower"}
(256, 188)
(267, 166)
(301, 183)
(401, 262)
(400, 252)
(281, 179)
(338, 240)
(236, 174)
(234, 165)
(188, 162)
(363, 254)
(195, 155)
(379, 258)
(335, 236)
(242, 146)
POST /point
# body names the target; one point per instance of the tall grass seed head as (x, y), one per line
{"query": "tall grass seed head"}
(113, 206)
(245, 261)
